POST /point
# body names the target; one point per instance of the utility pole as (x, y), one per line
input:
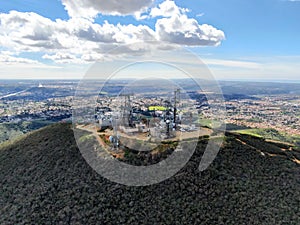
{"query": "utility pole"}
(177, 92)
(114, 139)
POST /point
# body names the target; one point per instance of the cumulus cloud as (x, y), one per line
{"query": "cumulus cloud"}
(30, 32)
(179, 29)
(81, 40)
(167, 9)
(90, 8)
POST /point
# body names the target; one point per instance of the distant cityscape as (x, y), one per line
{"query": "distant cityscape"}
(281, 112)
(52, 101)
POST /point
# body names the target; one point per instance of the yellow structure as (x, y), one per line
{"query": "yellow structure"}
(157, 108)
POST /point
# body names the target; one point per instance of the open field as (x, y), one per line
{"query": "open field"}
(271, 134)
(10, 131)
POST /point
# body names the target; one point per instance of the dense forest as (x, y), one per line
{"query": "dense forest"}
(45, 180)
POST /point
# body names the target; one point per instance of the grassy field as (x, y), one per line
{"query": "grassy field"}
(271, 134)
(10, 131)
(205, 122)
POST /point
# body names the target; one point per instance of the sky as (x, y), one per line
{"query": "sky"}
(236, 39)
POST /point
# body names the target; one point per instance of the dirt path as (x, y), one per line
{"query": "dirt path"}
(92, 130)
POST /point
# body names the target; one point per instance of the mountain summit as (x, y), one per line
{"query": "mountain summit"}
(45, 180)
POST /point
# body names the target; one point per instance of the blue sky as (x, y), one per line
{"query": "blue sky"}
(261, 37)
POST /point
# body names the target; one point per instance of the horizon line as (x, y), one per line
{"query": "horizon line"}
(219, 80)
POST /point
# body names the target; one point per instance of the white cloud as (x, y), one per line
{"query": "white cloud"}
(93, 57)
(63, 58)
(9, 62)
(233, 63)
(81, 40)
(167, 9)
(200, 14)
(90, 8)
(6, 59)
(30, 32)
(7, 53)
(179, 29)
(66, 58)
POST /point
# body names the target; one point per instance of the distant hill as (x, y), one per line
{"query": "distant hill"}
(259, 88)
(45, 180)
(41, 93)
